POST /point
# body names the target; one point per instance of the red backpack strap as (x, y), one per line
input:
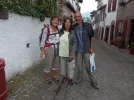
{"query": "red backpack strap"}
(48, 33)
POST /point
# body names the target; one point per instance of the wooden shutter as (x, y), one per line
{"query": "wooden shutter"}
(116, 29)
(114, 5)
(109, 5)
(124, 29)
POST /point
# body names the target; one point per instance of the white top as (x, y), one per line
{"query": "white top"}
(59, 27)
(52, 38)
(64, 45)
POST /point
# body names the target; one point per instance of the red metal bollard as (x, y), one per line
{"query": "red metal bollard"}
(3, 86)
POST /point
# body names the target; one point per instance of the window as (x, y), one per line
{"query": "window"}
(120, 28)
(97, 18)
(114, 2)
(112, 5)
(126, 0)
(102, 15)
(109, 5)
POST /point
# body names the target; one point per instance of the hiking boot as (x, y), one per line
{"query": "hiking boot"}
(70, 82)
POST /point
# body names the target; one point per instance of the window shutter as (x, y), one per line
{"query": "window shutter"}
(124, 30)
(101, 15)
(116, 29)
(114, 5)
(109, 5)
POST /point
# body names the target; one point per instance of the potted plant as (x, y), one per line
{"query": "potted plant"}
(116, 40)
(41, 12)
(42, 18)
(111, 42)
(131, 47)
(119, 43)
(3, 12)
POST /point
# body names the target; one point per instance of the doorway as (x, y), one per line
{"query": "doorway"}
(112, 33)
(102, 31)
(131, 38)
(106, 34)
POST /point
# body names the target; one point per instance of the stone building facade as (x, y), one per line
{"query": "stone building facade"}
(68, 8)
(125, 21)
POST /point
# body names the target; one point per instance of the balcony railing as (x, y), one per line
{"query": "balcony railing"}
(70, 6)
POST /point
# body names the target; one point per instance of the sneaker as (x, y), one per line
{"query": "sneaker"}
(49, 81)
(64, 79)
(70, 82)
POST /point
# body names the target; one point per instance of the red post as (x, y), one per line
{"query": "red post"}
(3, 86)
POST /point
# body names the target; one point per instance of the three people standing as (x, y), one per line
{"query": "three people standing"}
(76, 41)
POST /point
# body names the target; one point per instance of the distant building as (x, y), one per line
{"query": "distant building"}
(106, 14)
(110, 21)
(92, 15)
(68, 8)
(125, 21)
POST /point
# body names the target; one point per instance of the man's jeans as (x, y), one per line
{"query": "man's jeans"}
(79, 63)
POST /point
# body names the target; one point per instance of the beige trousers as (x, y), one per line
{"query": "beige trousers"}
(79, 63)
(51, 62)
(67, 68)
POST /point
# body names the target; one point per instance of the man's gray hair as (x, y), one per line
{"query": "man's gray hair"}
(78, 12)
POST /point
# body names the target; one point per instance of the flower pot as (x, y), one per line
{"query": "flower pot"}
(120, 46)
(42, 18)
(4, 14)
(115, 44)
(131, 51)
(111, 42)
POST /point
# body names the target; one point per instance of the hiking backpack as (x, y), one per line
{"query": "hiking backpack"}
(48, 34)
(40, 37)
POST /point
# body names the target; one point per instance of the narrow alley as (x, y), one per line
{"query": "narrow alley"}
(114, 73)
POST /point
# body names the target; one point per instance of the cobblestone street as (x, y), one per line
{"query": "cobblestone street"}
(115, 75)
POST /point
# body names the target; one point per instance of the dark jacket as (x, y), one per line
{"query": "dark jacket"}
(86, 35)
(72, 42)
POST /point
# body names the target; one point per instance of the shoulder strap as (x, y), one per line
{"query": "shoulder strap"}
(48, 33)
(41, 34)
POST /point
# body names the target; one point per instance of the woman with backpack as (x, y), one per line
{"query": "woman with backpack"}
(67, 50)
(49, 48)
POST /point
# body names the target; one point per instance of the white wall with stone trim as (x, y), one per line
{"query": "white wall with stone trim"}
(110, 16)
(15, 33)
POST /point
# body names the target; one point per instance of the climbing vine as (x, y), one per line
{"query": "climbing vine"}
(35, 8)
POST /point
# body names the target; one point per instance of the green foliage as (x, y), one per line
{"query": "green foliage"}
(27, 7)
(119, 41)
(132, 45)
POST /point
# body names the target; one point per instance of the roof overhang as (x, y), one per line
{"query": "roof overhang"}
(81, 1)
(70, 6)
(93, 13)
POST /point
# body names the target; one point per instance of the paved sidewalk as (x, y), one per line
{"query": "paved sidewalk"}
(31, 86)
(115, 74)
